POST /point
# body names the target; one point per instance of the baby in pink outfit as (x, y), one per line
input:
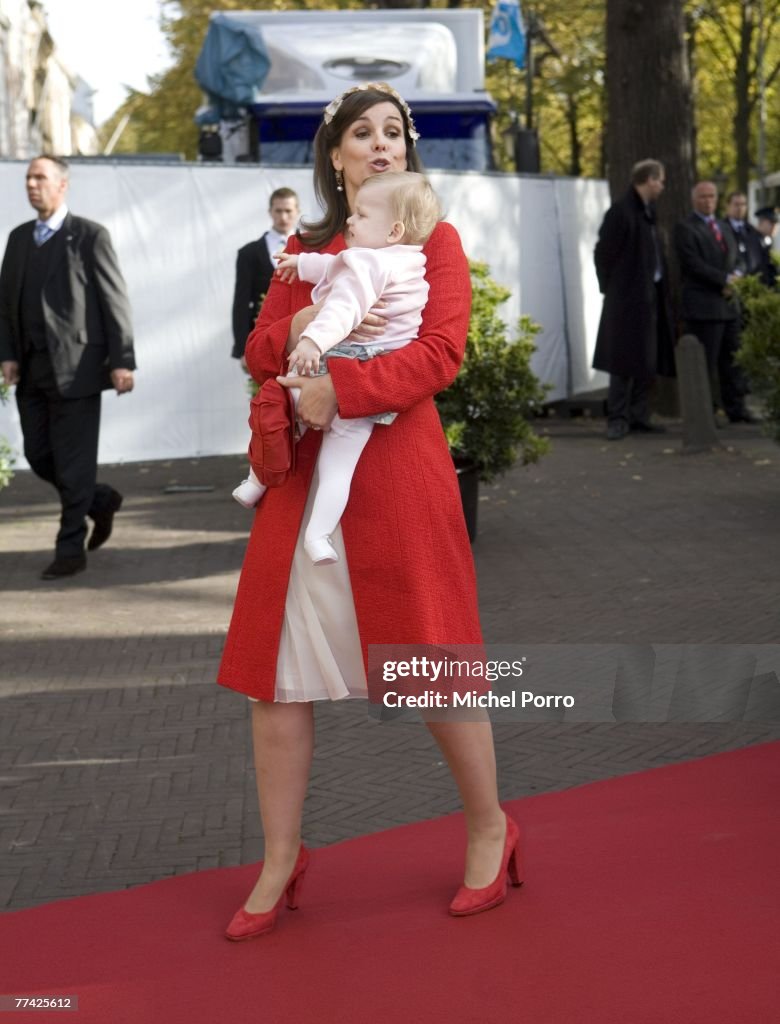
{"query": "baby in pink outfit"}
(394, 216)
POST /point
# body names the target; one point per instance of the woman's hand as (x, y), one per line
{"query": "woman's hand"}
(372, 326)
(300, 322)
(317, 405)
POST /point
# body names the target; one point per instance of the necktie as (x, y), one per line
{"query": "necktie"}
(717, 233)
(42, 233)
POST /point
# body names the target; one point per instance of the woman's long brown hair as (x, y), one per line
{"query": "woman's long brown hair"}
(318, 234)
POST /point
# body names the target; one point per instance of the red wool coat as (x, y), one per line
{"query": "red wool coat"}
(409, 557)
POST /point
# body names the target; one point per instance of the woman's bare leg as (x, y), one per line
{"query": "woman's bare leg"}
(468, 749)
(283, 739)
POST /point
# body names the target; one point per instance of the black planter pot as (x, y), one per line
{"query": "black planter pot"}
(468, 481)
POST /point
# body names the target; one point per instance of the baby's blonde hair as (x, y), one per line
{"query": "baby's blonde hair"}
(414, 203)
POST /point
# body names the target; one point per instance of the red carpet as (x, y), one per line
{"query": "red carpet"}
(649, 899)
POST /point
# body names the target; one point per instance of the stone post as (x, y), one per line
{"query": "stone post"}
(695, 396)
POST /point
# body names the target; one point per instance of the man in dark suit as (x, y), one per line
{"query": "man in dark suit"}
(708, 257)
(635, 340)
(752, 260)
(65, 336)
(751, 251)
(255, 268)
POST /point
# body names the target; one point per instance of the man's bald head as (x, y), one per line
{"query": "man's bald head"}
(704, 196)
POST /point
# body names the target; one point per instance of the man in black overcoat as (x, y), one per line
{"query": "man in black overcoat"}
(708, 254)
(65, 336)
(255, 268)
(635, 340)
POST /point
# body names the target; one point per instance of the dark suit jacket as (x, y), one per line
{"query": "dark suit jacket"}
(751, 253)
(705, 266)
(85, 306)
(254, 271)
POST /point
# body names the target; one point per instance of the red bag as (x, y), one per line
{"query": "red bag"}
(272, 444)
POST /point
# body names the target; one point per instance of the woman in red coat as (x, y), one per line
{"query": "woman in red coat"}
(405, 575)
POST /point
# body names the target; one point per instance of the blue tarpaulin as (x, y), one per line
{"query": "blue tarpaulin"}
(232, 64)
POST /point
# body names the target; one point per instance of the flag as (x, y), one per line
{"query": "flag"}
(507, 33)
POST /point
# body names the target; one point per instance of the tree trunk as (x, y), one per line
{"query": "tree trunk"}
(649, 102)
(650, 115)
(691, 24)
(572, 117)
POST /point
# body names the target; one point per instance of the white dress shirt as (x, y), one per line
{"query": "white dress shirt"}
(275, 243)
(55, 222)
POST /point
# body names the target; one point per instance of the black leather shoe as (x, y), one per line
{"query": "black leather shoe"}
(647, 428)
(617, 430)
(104, 521)
(64, 567)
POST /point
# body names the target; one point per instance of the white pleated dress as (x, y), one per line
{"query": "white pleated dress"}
(320, 657)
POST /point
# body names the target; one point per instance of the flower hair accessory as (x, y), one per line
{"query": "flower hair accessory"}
(332, 108)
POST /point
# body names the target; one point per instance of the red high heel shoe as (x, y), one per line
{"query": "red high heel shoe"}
(474, 901)
(246, 926)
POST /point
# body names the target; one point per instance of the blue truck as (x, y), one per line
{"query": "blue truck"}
(268, 75)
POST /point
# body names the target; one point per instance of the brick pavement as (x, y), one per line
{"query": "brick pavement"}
(121, 762)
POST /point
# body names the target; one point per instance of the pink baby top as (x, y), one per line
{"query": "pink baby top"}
(350, 284)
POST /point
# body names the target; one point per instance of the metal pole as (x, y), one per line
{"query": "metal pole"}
(761, 56)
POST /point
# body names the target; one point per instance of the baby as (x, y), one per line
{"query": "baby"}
(394, 216)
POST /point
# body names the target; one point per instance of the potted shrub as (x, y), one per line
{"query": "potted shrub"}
(759, 350)
(486, 411)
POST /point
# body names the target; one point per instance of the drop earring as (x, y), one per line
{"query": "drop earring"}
(339, 181)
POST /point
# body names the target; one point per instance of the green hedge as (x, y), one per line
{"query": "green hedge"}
(759, 351)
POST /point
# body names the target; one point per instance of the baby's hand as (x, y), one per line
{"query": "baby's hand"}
(286, 266)
(305, 358)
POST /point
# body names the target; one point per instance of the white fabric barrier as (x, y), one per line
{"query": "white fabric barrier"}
(177, 228)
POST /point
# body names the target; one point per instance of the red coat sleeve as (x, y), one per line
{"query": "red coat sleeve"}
(265, 346)
(400, 379)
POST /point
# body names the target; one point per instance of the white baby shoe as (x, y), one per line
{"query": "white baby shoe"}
(248, 493)
(320, 550)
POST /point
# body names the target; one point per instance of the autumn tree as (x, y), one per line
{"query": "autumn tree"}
(567, 86)
(734, 45)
